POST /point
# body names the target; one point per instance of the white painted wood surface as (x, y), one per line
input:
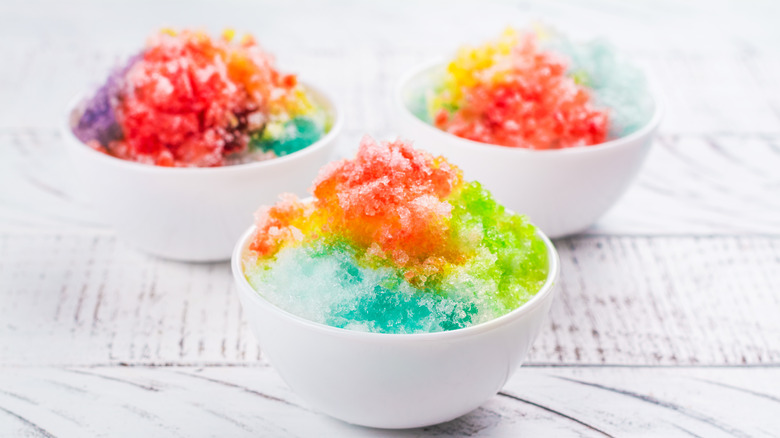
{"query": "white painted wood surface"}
(253, 401)
(667, 322)
(81, 299)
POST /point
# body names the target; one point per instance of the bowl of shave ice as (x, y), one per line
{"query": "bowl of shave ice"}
(554, 128)
(184, 140)
(399, 294)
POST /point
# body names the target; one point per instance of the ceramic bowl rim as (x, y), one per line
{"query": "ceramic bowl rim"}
(335, 129)
(476, 146)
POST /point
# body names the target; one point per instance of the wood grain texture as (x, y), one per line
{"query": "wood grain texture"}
(78, 298)
(690, 185)
(253, 401)
(716, 76)
(702, 184)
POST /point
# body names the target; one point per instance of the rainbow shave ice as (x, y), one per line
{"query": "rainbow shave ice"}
(189, 100)
(395, 241)
(537, 90)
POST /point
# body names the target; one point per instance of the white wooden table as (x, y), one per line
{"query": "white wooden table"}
(668, 317)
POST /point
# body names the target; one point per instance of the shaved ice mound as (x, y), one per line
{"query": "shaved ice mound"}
(537, 90)
(189, 100)
(395, 241)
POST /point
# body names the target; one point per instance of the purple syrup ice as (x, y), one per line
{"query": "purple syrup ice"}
(98, 121)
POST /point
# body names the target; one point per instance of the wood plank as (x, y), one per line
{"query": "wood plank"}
(716, 78)
(702, 184)
(79, 298)
(251, 401)
(714, 184)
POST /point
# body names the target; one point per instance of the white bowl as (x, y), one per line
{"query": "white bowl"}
(191, 214)
(562, 191)
(393, 380)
